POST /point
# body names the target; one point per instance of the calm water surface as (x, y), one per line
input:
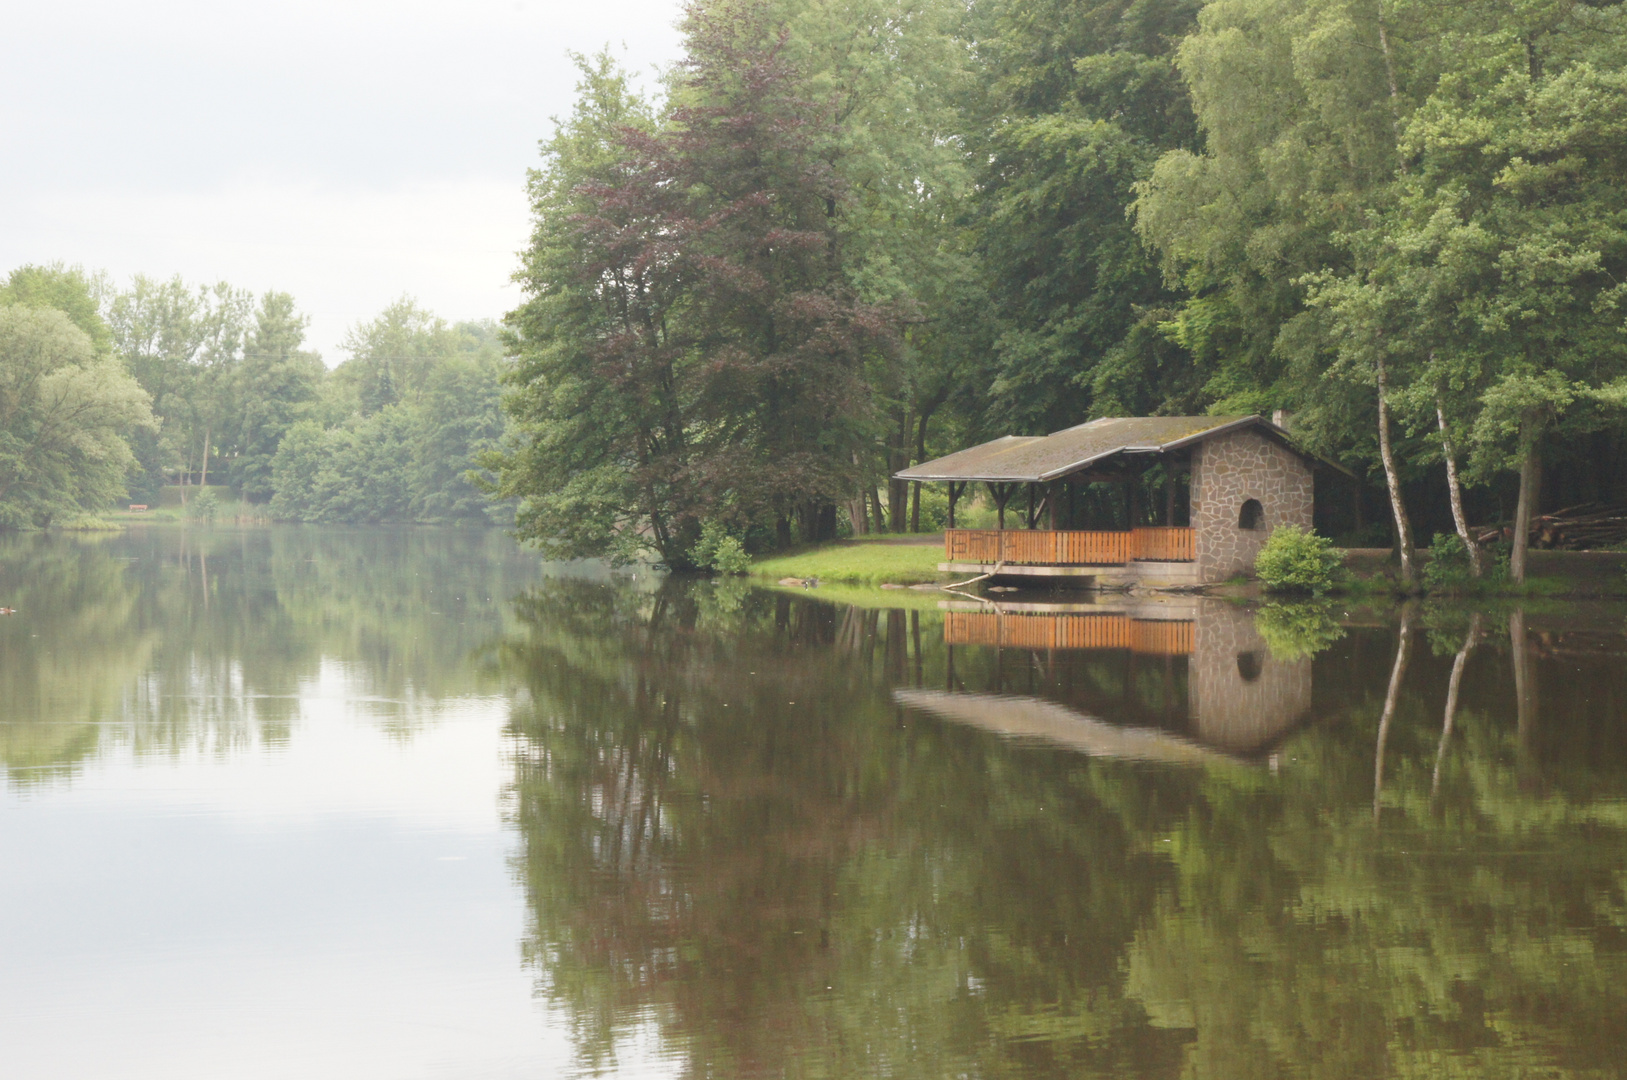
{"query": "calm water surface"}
(408, 803)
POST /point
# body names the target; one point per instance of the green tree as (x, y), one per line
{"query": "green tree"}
(578, 493)
(692, 348)
(277, 385)
(68, 290)
(392, 357)
(1079, 100)
(458, 420)
(65, 408)
(183, 344)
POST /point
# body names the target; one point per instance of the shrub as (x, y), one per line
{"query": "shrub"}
(1448, 567)
(1297, 560)
(204, 506)
(1448, 563)
(719, 552)
(1297, 631)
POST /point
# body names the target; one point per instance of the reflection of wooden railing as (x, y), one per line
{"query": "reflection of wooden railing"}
(1050, 547)
(1157, 637)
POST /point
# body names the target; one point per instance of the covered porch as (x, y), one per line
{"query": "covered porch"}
(1109, 500)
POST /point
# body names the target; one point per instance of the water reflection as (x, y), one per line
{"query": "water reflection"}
(1201, 669)
(169, 640)
(249, 807)
(741, 834)
(342, 783)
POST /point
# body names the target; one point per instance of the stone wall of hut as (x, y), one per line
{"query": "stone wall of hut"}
(1228, 472)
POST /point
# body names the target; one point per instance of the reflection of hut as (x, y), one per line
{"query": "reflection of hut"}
(1239, 700)
(1025, 718)
(1157, 637)
(1242, 698)
(1152, 499)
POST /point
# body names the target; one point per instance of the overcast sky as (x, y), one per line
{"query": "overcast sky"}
(345, 151)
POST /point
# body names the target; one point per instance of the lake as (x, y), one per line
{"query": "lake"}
(411, 803)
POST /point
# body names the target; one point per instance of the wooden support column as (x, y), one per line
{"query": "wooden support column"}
(1030, 516)
(954, 493)
(1001, 494)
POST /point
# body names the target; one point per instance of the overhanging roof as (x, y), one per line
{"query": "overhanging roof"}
(1038, 459)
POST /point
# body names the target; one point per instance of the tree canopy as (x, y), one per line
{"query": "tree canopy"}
(1396, 223)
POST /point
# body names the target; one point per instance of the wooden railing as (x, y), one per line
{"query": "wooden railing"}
(1153, 637)
(1047, 547)
(1162, 543)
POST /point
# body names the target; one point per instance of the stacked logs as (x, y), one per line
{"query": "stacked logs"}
(1584, 527)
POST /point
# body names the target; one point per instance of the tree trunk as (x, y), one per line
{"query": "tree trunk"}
(859, 516)
(1525, 699)
(205, 481)
(1403, 654)
(1525, 510)
(920, 456)
(1453, 685)
(898, 458)
(1403, 524)
(1455, 489)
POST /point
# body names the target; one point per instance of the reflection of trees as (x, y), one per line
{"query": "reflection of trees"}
(700, 850)
(701, 855)
(202, 639)
(1478, 930)
(71, 653)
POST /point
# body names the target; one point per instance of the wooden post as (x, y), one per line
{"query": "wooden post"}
(954, 492)
(1169, 494)
(1030, 516)
(1050, 506)
(1001, 493)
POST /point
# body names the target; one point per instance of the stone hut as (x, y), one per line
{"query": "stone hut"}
(1244, 484)
(1157, 500)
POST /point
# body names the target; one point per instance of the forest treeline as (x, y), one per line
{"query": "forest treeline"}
(850, 234)
(846, 235)
(109, 392)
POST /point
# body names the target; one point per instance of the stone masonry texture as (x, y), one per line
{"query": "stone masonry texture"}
(1243, 699)
(1226, 472)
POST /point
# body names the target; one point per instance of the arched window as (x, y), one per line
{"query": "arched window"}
(1249, 665)
(1252, 516)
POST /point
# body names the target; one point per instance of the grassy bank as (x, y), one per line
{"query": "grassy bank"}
(908, 560)
(902, 561)
(1558, 574)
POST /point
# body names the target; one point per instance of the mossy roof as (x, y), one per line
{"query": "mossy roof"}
(1038, 459)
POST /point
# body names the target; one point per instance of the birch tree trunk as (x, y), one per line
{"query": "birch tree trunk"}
(1453, 686)
(1455, 489)
(1392, 697)
(1403, 524)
